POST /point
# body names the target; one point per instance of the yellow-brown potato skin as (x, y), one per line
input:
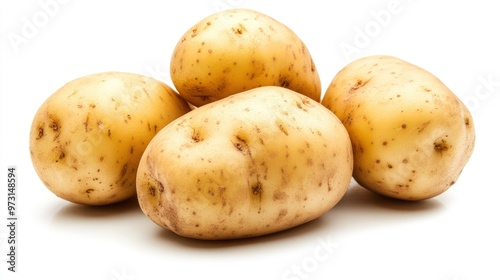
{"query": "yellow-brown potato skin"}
(411, 135)
(254, 163)
(87, 138)
(237, 50)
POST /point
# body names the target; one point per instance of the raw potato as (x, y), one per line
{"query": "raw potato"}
(257, 162)
(237, 50)
(87, 138)
(411, 135)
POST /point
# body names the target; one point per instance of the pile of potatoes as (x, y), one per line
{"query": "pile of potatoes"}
(245, 146)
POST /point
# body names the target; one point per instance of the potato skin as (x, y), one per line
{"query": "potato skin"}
(411, 135)
(87, 138)
(237, 50)
(254, 163)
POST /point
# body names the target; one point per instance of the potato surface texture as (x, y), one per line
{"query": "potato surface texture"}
(411, 135)
(87, 138)
(237, 50)
(254, 163)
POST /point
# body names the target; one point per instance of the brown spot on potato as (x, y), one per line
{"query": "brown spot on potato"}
(241, 145)
(359, 84)
(424, 125)
(196, 137)
(88, 192)
(171, 214)
(194, 32)
(304, 102)
(40, 133)
(239, 30)
(284, 83)
(467, 122)
(238, 146)
(441, 146)
(257, 188)
(152, 191)
(282, 213)
(54, 126)
(86, 124)
(124, 170)
(279, 195)
(283, 128)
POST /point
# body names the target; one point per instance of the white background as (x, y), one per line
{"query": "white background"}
(454, 236)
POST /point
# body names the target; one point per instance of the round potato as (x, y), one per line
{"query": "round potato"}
(254, 163)
(411, 135)
(87, 138)
(237, 50)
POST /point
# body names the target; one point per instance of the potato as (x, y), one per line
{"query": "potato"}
(411, 135)
(254, 163)
(237, 50)
(87, 138)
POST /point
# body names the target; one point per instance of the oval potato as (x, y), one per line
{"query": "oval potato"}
(411, 135)
(87, 138)
(237, 50)
(254, 163)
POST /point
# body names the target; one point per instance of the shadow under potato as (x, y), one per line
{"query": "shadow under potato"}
(359, 209)
(289, 235)
(363, 199)
(74, 211)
